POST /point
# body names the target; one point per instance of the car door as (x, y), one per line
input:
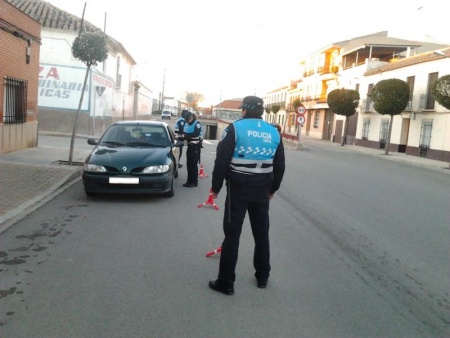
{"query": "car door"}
(175, 150)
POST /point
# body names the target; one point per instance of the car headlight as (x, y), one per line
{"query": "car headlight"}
(156, 169)
(94, 168)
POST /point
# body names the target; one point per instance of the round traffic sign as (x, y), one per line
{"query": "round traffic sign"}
(301, 119)
(301, 109)
(190, 98)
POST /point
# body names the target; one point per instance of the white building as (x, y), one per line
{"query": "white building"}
(423, 129)
(112, 90)
(359, 63)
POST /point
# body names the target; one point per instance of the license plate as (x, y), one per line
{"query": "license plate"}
(124, 180)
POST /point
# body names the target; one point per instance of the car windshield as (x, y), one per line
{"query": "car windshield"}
(136, 136)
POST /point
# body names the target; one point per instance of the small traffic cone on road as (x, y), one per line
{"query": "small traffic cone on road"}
(209, 254)
(201, 173)
(209, 201)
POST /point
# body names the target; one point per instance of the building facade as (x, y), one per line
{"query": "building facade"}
(112, 91)
(358, 64)
(20, 37)
(423, 129)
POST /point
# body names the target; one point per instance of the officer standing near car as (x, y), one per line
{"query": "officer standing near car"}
(192, 131)
(179, 130)
(250, 157)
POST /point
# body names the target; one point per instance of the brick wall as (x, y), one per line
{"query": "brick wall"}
(13, 63)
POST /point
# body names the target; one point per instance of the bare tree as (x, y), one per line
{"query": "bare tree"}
(196, 99)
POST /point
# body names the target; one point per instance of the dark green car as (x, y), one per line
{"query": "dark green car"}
(133, 157)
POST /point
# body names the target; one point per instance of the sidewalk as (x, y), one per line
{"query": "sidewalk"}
(29, 178)
(392, 156)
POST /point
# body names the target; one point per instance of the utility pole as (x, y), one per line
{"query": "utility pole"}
(220, 106)
(162, 93)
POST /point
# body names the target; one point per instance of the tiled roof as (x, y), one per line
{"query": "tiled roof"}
(52, 17)
(230, 104)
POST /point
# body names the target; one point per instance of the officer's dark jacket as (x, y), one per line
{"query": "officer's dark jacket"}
(222, 169)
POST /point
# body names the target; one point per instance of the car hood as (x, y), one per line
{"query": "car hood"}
(131, 157)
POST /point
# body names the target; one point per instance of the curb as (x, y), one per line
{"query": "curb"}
(13, 216)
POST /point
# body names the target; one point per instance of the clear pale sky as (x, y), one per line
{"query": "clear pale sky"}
(234, 48)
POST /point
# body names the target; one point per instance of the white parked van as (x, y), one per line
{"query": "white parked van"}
(166, 115)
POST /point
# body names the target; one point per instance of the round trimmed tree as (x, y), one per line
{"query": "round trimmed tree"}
(390, 97)
(90, 48)
(343, 102)
(441, 91)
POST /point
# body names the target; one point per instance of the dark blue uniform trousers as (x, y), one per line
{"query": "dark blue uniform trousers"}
(192, 158)
(240, 199)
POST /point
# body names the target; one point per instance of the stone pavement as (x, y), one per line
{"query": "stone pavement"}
(31, 177)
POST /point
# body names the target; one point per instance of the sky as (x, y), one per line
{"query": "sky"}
(233, 48)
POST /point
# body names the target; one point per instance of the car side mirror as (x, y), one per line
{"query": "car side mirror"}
(178, 144)
(92, 141)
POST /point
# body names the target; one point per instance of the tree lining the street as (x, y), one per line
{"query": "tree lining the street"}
(390, 97)
(441, 91)
(343, 102)
(90, 48)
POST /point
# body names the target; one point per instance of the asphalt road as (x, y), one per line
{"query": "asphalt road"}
(359, 249)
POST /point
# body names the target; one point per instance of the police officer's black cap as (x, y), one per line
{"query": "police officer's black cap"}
(252, 103)
(185, 113)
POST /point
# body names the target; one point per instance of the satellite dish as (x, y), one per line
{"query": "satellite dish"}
(190, 98)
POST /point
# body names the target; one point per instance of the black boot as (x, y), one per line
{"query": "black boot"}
(220, 286)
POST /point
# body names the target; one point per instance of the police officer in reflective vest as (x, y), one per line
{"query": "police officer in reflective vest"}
(250, 157)
(192, 131)
(179, 130)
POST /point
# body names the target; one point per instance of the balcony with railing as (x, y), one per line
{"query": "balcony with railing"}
(367, 106)
(322, 98)
(426, 102)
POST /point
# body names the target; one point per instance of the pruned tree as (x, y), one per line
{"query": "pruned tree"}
(196, 99)
(390, 97)
(343, 102)
(296, 103)
(90, 48)
(275, 108)
(441, 91)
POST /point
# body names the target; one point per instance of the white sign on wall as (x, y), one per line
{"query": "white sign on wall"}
(61, 86)
(102, 94)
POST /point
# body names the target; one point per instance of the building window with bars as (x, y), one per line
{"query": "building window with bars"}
(425, 136)
(15, 101)
(316, 119)
(365, 130)
(432, 77)
(384, 132)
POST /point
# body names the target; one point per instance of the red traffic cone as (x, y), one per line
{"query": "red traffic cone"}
(201, 173)
(210, 201)
(209, 254)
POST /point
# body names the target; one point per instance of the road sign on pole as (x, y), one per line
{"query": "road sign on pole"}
(301, 109)
(300, 119)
